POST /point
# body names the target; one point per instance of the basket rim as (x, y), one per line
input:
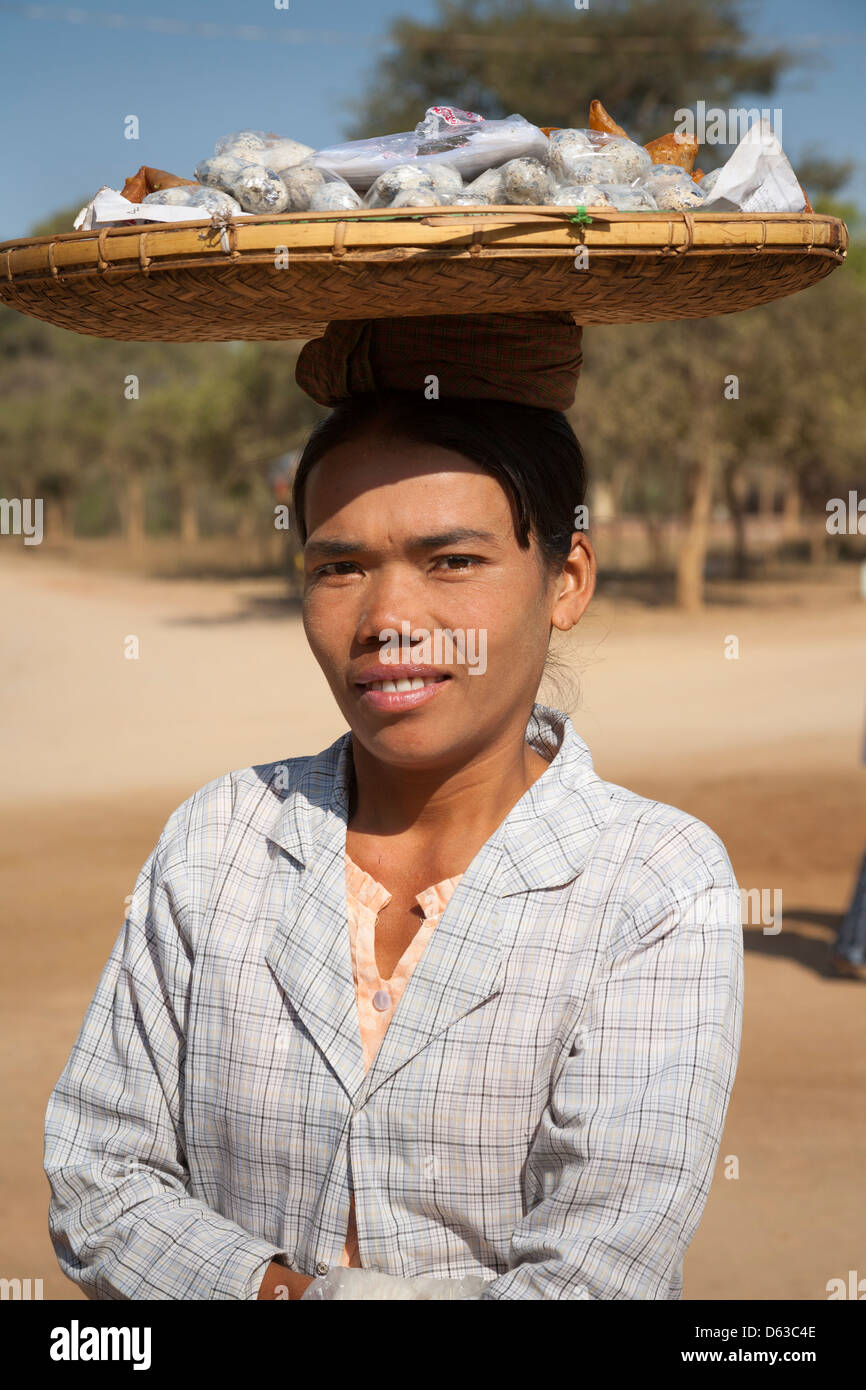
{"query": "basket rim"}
(508, 211)
(487, 231)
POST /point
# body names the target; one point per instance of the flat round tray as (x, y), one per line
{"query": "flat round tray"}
(288, 276)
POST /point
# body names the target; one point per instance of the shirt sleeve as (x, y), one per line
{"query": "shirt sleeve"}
(625, 1152)
(121, 1219)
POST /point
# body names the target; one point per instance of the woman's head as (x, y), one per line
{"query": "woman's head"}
(439, 536)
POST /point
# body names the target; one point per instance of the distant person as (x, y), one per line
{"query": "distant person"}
(849, 950)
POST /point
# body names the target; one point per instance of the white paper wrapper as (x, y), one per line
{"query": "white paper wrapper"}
(757, 177)
(109, 206)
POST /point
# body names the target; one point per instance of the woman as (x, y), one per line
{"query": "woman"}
(438, 1000)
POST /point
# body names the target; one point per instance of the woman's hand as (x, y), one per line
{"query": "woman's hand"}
(282, 1283)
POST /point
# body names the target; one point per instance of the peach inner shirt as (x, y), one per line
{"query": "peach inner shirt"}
(377, 998)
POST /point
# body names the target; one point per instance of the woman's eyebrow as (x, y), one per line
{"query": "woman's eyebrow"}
(338, 548)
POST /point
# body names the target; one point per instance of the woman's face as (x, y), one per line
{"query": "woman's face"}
(429, 621)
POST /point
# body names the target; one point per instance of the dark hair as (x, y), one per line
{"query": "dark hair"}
(532, 451)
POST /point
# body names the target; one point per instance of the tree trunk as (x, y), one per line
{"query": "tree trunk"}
(58, 520)
(692, 557)
(792, 510)
(767, 492)
(734, 495)
(134, 509)
(189, 527)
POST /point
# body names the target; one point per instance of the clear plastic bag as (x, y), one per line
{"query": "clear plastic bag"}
(593, 157)
(257, 147)
(673, 189)
(588, 195)
(208, 199)
(256, 187)
(345, 1284)
(526, 181)
(334, 195)
(460, 140)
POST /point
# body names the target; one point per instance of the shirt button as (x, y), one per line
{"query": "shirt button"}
(381, 1000)
(321, 1267)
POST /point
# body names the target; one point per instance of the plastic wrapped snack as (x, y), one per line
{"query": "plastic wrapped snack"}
(335, 195)
(630, 198)
(591, 156)
(220, 171)
(403, 178)
(447, 135)
(673, 189)
(446, 181)
(421, 198)
(259, 190)
(487, 188)
(576, 194)
(195, 196)
(257, 147)
(526, 181)
(301, 182)
(354, 1285)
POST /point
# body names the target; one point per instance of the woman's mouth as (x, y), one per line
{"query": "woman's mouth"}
(402, 691)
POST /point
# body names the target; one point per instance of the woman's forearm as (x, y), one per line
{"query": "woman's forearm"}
(282, 1283)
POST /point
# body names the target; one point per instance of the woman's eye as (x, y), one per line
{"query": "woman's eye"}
(458, 562)
(335, 567)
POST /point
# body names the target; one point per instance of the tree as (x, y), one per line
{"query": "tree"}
(645, 59)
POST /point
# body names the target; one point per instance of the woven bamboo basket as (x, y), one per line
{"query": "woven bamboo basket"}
(288, 276)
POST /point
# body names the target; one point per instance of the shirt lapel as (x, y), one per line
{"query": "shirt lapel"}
(309, 951)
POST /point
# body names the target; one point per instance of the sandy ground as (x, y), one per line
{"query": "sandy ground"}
(97, 751)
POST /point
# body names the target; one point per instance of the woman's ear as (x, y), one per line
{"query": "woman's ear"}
(575, 585)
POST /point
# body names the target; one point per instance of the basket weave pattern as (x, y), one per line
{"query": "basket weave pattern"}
(189, 282)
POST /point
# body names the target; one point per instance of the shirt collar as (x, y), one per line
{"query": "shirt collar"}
(544, 840)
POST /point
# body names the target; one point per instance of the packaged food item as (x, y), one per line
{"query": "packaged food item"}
(627, 197)
(195, 196)
(673, 188)
(447, 135)
(301, 181)
(756, 178)
(257, 147)
(575, 194)
(599, 119)
(445, 179)
(393, 182)
(526, 181)
(259, 190)
(420, 198)
(334, 195)
(674, 148)
(150, 180)
(471, 200)
(220, 171)
(487, 188)
(592, 156)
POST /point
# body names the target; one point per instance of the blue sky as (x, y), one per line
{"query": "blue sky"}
(65, 87)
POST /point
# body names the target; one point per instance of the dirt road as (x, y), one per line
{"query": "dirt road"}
(97, 750)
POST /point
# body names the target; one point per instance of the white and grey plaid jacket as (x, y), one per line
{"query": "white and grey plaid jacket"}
(545, 1109)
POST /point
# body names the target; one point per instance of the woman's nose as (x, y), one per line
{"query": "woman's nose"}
(392, 604)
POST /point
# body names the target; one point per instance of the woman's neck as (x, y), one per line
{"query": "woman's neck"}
(462, 804)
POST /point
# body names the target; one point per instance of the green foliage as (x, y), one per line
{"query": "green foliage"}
(643, 58)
